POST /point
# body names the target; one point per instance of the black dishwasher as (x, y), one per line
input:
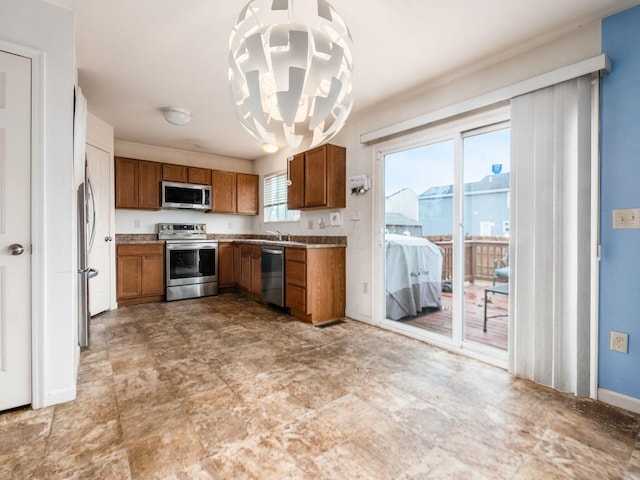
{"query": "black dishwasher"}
(272, 284)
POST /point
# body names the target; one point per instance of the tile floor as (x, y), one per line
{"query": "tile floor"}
(223, 388)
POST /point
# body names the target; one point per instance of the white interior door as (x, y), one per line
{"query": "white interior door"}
(100, 256)
(15, 231)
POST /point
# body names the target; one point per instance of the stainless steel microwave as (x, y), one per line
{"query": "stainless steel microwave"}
(186, 196)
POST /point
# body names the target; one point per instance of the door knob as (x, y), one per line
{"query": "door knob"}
(16, 249)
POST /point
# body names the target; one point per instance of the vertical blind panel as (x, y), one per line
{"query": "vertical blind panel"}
(551, 162)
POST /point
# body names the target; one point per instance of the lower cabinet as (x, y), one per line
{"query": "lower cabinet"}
(226, 277)
(250, 269)
(315, 283)
(140, 273)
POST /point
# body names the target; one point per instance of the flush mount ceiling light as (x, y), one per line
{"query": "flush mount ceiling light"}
(269, 148)
(176, 115)
(290, 68)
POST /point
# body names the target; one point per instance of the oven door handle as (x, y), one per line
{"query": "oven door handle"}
(189, 246)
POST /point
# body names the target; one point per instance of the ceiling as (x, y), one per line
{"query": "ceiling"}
(135, 57)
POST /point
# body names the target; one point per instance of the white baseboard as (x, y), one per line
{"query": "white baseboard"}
(619, 400)
(60, 396)
(359, 317)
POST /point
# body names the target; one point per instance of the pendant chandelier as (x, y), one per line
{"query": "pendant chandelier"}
(290, 70)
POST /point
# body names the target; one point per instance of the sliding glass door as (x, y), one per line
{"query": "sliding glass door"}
(418, 236)
(486, 212)
(446, 237)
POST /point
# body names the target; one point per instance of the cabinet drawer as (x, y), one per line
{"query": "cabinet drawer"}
(141, 249)
(296, 297)
(253, 250)
(296, 254)
(296, 273)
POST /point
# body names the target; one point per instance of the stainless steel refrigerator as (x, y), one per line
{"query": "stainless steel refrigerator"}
(86, 235)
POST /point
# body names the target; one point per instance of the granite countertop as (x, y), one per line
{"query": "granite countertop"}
(284, 243)
(296, 242)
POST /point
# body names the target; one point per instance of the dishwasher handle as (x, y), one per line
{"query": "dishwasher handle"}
(273, 251)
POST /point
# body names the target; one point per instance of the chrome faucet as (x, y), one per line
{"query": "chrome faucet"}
(276, 233)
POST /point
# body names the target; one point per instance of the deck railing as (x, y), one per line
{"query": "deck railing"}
(480, 256)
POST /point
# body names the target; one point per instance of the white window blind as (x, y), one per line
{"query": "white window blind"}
(275, 199)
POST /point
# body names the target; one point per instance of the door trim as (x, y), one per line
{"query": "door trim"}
(37, 217)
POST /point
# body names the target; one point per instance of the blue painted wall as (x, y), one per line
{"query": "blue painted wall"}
(620, 188)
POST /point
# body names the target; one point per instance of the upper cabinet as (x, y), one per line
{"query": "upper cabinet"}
(185, 174)
(137, 183)
(223, 186)
(234, 192)
(317, 179)
(247, 194)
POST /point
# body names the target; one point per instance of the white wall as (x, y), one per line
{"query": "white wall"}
(46, 33)
(364, 250)
(141, 221)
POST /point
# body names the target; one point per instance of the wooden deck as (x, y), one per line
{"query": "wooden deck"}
(439, 321)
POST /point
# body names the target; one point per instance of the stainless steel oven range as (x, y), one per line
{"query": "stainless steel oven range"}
(191, 261)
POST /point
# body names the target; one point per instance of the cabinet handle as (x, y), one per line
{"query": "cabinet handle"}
(289, 160)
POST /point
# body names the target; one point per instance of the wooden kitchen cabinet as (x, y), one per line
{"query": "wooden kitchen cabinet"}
(149, 185)
(186, 174)
(226, 277)
(315, 283)
(237, 263)
(223, 192)
(137, 183)
(234, 192)
(247, 194)
(140, 273)
(175, 173)
(200, 176)
(250, 269)
(318, 179)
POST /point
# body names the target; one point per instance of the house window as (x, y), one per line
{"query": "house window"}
(275, 199)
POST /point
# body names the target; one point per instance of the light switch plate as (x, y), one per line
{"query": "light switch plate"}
(626, 218)
(335, 219)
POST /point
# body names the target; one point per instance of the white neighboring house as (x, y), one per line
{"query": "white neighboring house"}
(404, 201)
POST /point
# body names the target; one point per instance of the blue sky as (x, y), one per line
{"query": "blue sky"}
(432, 165)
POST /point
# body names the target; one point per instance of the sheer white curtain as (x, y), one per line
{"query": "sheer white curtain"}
(550, 248)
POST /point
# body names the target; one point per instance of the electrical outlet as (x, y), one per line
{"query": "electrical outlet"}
(355, 216)
(310, 224)
(619, 342)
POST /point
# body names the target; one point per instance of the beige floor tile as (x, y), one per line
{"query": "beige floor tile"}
(223, 388)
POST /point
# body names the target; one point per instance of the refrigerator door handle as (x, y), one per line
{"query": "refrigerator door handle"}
(93, 221)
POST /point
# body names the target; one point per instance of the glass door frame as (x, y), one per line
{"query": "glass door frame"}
(455, 130)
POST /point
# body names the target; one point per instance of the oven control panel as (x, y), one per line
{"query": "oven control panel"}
(179, 231)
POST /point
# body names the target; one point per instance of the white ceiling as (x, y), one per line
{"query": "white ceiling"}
(137, 56)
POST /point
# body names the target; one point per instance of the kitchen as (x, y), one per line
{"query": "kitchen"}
(232, 198)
